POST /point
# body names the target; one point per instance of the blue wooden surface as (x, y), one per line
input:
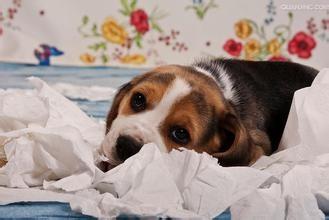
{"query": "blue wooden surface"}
(40, 210)
(56, 210)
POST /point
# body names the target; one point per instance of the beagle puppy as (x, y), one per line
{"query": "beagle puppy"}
(232, 109)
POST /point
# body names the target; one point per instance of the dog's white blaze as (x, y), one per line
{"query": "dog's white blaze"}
(228, 91)
(205, 72)
(145, 125)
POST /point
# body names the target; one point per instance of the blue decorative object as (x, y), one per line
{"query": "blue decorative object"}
(45, 53)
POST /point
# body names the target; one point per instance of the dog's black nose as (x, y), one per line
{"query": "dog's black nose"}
(127, 146)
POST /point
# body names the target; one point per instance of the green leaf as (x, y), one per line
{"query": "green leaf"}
(156, 27)
(85, 20)
(94, 29)
(102, 46)
(133, 4)
(199, 13)
(138, 40)
(139, 44)
(98, 46)
(105, 58)
(125, 5)
(93, 47)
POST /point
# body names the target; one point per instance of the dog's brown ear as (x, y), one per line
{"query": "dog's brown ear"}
(236, 145)
(113, 113)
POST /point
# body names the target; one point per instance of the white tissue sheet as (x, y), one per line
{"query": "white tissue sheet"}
(52, 146)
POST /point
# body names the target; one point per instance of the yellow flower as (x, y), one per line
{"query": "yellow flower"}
(243, 29)
(252, 48)
(87, 58)
(133, 59)
(273, 47)
(113, 32)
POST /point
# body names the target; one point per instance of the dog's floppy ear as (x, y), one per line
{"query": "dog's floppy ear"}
(236, 145)
(113, 113)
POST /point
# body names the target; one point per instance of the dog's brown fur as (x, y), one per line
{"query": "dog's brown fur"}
(213, 124)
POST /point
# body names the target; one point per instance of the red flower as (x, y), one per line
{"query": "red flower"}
(139, 19)
(233, 47)
(302, 44)
(278, 58)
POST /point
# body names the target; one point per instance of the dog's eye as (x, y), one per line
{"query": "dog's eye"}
(138, 102)
(179, 135)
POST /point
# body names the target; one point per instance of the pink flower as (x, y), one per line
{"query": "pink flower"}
(233, 47)
(302, 45)
(139, 19)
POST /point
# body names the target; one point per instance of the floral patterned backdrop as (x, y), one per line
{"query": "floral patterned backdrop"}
(141, 33)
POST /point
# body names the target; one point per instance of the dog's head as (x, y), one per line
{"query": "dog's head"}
(175, 106)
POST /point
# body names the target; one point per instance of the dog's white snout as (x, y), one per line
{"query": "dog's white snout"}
(139, 130)
(135, 132)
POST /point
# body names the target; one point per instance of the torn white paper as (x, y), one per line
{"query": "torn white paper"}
(53, 143)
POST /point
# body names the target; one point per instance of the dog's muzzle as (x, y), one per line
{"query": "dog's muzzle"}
(127, 146)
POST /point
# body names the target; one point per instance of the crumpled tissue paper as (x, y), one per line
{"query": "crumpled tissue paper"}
(47, 140)
(52, 146)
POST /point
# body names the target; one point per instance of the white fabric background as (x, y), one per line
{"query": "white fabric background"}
(56, 22)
